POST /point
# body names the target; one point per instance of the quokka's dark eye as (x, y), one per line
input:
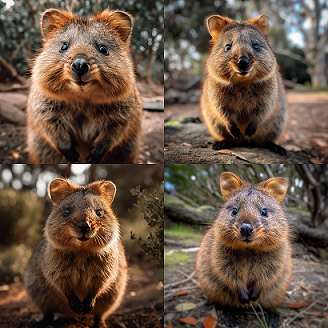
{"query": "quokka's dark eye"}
(68, 212)
(264, 212)
(64, 47)
(103, 50)
(228, 47)
(98, 212)
(234, 212)
(256, 47)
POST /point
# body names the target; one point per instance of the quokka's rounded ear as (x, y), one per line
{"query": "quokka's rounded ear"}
(215, 24)
(262, 23)
(277, 188)
(229, 183)
(52, 19)
(120, 21)
(58, 189)
(104, 188)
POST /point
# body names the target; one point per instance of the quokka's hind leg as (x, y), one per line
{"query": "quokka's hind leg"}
(47, 320)
(126, 153)
(223, 144)
(273, 318)
(275, 148)
(41, 152)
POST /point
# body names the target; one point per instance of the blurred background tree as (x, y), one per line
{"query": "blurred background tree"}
(298, 35)
(199, 184)
(20, 32)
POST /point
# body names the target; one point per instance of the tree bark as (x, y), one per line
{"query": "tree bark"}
(178, 210)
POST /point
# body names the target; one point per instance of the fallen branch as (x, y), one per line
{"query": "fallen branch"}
(173, 291)
(291, 54)
(305, 310)
(179, 282)
(183, 250)
(11, 113)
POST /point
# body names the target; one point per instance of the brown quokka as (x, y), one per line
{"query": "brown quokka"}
(80, 266)
(246, 254)
(243, 100)
(84, 105)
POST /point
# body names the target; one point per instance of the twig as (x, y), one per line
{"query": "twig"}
(19, 47)
(178, 289)
(193, 280)
(192, 203)
(308, 308)
(179, 282)
(183, 250)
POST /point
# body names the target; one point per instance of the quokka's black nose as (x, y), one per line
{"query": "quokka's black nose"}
(246, 230)
(80, 66)
(243, 63)
(83, 227)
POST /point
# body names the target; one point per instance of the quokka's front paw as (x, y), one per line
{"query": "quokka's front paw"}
(254, 294)
(75, 304)
(97, 153)
(243, 296)
(234, 130)
(70, 154)
(251, 129)
(88, 304)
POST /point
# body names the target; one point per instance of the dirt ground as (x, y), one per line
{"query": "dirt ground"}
(13, 143)
(307, 128)
(306, 299)
(142, 306)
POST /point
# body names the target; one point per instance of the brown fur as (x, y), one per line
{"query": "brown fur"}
(243, 109)
(228, 265)
(90, 118)
(74, 272)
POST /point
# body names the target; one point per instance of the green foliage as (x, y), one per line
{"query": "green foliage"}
(21, 217)
(21, 226)
(172, 260)
(13, 261)
(151, 206)
(183, 232)
(19, 25)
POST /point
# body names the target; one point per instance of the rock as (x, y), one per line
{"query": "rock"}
(201, 152)
(11, 113)
(15, 98)
(177, 209)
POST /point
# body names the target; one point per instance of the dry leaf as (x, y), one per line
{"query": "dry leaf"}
(297, 305)
(180, 292)
(316, 160)
(185, 306)
(318, 314)
(3, 288)
(321, 142)
(209, 322)
(292, 148)
(298, 284)
(169, 325)
(225, 151)
(315, 263)
(14, 153)
(189, 320)
(240, 157)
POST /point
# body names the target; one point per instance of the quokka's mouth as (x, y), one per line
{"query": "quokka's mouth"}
(83, 238)
(81, 83)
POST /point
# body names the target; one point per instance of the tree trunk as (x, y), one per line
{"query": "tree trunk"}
(178, 210)
(318, 76)
(148, 70)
